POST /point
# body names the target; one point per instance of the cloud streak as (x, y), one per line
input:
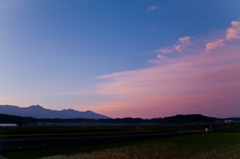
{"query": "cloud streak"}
(183, 42)
(169, 50)
(196, 84)
(152, 8)
(208, 84)
(199, 83)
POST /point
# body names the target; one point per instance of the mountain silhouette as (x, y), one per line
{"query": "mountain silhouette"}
(37, 111)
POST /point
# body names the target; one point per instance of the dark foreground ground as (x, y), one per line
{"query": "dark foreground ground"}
(198, 146)
(95, 140)
(44, 142)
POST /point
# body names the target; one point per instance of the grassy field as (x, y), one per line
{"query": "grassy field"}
(99, 130)
(210, 145)
(91, 130)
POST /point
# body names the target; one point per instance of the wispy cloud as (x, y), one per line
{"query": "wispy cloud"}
(179, 47)
(78, 92)
(167, 50)
(202, 81)
(183, 42)
(152, 8)
(199, 83)
(161, 57)
(234, 31)
(215, 44)
(155, 61)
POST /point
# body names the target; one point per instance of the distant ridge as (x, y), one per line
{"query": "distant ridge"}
(177, 119)
(37, 111)
(189, 118)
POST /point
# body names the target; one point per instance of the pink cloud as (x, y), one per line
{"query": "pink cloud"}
(208, 84)
(215, 44)
(201, 83)
(234, 31)
(151, 8)
(155, 61)
(185, 40)
(161, 57)
(166, 50)
(79, 92)
(179, 48)
(211, 103)
(231, 33)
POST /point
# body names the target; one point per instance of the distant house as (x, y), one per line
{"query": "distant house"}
(8, 125)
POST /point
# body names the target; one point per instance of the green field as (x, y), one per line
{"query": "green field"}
(92, 130)
(101, 130)
(209, 145)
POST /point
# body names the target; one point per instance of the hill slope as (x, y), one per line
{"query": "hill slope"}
(40, 112)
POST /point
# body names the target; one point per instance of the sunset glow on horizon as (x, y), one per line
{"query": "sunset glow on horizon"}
(145, 59)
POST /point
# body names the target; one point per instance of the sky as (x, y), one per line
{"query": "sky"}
(121, 58)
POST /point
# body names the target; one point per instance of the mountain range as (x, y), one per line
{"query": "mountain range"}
(36, 111)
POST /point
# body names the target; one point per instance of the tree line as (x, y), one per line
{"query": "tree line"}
(178, 119)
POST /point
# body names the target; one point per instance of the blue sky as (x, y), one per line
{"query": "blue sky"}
(52, 52)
